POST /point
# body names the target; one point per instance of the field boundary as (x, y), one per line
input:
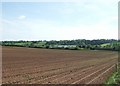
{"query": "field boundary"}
(88, 75)
(101, 74)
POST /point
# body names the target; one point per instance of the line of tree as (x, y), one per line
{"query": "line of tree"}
(98, 44)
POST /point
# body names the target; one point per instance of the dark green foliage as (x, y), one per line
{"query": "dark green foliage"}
(99, 44)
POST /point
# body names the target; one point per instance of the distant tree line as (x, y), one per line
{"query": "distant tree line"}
(79, 44)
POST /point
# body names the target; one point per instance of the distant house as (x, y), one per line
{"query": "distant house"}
(63, 46)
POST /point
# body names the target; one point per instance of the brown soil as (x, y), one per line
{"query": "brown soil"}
(50, 66)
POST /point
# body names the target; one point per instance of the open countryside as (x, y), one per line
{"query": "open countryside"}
(59, 42)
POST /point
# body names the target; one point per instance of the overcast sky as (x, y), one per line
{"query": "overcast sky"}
(86, 19)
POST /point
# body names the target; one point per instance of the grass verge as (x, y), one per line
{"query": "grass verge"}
(114, 79)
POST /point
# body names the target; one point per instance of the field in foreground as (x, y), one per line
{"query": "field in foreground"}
(47, 66)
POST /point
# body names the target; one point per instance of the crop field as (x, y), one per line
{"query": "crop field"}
(51, 66)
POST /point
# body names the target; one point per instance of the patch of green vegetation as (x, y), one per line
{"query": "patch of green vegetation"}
(106, 44)
(114, 79)
(111, 79)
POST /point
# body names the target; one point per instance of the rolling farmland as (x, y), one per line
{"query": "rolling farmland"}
(51, 66)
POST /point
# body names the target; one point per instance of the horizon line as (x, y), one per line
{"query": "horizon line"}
(60, 39)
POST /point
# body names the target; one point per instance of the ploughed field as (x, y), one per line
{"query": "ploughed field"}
(50, 66)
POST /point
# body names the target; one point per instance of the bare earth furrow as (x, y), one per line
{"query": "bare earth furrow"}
(73, 76)
(45, 66)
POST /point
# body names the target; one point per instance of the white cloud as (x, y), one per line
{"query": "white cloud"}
(7, 22)
(21, 17)
(50, 30)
